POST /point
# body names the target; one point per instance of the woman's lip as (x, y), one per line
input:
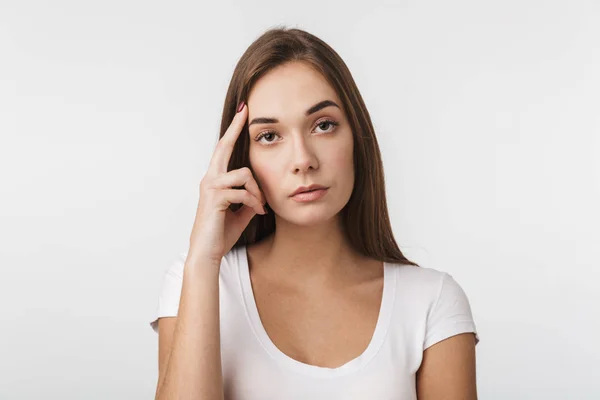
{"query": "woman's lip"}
(310, 196)
(310, 190)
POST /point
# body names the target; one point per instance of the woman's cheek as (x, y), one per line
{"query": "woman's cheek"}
(342, 154)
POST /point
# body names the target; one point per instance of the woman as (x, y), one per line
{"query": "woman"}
(312, 298)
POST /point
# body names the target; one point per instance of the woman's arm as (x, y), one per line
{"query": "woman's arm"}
(190, 346)
(447, 370)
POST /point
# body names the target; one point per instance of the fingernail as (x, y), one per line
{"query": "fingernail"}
(240, 106)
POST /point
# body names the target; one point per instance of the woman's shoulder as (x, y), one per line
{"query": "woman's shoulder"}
(418, 275)
(434, 300)
(427, 284)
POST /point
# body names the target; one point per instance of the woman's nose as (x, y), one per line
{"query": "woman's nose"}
(303, 156)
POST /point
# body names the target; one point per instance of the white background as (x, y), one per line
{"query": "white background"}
(488, 119)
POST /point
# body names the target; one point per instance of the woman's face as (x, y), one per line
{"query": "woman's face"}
(300, 149)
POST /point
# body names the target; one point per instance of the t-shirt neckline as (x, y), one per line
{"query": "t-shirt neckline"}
(379, 334)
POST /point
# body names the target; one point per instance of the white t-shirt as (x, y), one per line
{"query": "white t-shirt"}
(420, 307)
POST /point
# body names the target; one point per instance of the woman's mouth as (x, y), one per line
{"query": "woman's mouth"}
(310, 195)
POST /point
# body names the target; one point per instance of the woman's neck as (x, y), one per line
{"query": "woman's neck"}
(313, 255)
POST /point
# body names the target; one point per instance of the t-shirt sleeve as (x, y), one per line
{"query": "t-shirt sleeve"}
(170, 291)
(450, 315)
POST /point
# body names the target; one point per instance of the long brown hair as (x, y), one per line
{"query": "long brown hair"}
(365, 217)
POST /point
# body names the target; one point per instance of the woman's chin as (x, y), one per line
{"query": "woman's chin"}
(308, 216)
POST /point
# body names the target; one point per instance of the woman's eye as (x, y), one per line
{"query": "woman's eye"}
(270, 134)
(265, 134)
(327, 122)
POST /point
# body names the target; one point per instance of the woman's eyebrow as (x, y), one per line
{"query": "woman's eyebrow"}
(319, 106)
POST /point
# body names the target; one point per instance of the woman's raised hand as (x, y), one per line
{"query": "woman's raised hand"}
(216, 228)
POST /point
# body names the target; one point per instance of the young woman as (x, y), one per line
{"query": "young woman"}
(293, 286)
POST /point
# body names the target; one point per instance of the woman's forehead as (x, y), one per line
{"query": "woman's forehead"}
(292, 86)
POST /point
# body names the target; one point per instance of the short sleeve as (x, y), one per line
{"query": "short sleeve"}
(450, 315)
(170, 291)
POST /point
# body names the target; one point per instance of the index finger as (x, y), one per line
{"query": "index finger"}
(222, 154)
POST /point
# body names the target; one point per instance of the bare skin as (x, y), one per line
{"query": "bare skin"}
(325, 325)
